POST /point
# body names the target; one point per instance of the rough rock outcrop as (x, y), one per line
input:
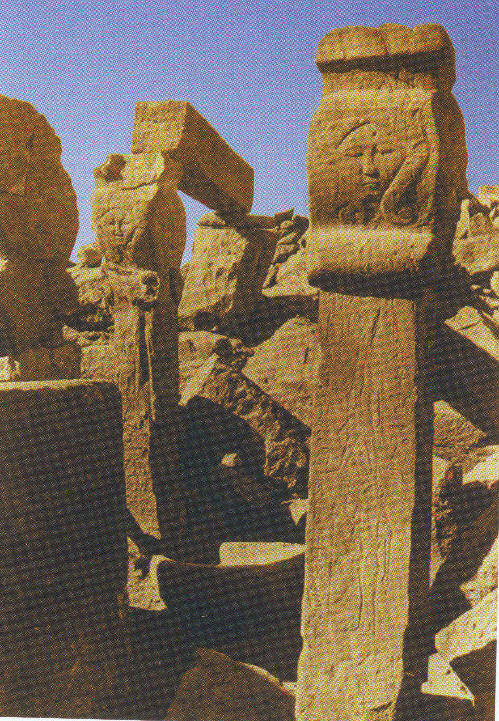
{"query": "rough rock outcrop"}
(39, 222)
(194, 349)
(489, 195)
(220, 689)
(287, 273)
(476, 243)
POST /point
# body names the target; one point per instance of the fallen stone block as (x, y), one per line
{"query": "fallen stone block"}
(443, 681)
(489, 195)
(223, 502)
(455, 437)
(38, 203)
(229, 262)
(471, 546)
(284, 439)
(284, 366)
(476, 242)
(194, 349)
(466, 369)
(220, 689)
(485, 579)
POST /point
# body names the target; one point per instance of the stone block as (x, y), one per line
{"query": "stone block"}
(63, 554)
(275, 441)
(284, 366)
(220, 689)
(239, 553)
(228, 266)
(38, 210)
(39, 221)
(213, 173)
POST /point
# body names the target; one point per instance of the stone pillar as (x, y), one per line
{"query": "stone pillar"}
(386, 167)
(63, 552)
(139, 221)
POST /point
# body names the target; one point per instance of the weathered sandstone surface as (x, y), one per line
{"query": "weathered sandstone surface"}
(228, 266)
(213, 173)
(63, 557)
(330, 344)
(38, 226)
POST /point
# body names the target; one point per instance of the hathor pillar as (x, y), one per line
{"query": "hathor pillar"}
(386, 168)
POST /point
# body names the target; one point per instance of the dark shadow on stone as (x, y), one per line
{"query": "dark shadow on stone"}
(251, 613)
(459, 505)
(268, 315)
(208, 432)
(470, 546)
(445, 603)
(467, 378)
(7, 335)
(215, 503)
(477, 671)
(418, 642)
(160, 653)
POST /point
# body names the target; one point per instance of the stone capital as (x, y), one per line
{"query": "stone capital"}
(386, 160)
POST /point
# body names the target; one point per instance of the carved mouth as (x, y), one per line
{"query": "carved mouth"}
(372, 185)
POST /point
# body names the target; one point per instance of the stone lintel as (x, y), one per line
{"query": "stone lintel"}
(214, 174)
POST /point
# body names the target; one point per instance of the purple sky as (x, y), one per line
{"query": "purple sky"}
(247, 67)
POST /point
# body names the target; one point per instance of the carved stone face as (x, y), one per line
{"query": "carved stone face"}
(367, 160)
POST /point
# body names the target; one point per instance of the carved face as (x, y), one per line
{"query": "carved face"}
(371, 157)
(367, 160)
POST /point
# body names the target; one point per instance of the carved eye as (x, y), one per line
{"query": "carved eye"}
(386, 150)
(354, 152)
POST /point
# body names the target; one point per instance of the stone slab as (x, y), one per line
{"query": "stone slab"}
(38, 210)
(218, 688)
(226, 273)
(236, 553)
(213, 173)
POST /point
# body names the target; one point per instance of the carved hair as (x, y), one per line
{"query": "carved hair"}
(408, 199)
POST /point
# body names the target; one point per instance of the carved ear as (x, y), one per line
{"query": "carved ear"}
(396, 206)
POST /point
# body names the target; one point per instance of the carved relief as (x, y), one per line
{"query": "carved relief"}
(378, 155)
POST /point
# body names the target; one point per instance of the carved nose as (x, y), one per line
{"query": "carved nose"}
(368, 167)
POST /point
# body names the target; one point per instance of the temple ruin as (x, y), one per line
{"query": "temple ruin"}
(262, 485)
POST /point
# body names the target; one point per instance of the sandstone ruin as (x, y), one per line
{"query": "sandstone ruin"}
(295, 431)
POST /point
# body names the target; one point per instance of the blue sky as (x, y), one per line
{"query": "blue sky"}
(247, 67)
